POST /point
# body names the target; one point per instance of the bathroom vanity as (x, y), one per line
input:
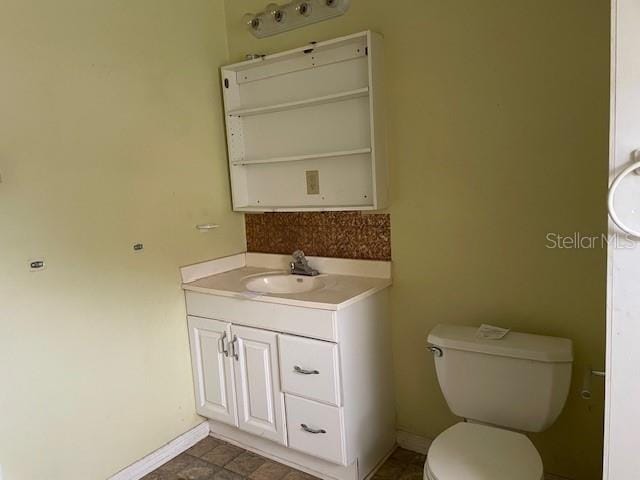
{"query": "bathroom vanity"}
(295, 368)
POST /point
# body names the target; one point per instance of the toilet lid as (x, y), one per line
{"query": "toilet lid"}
(468, 451)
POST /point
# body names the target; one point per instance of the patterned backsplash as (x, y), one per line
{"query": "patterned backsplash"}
(323, 234)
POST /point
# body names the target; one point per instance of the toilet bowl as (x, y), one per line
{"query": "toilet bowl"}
(469, 451)
(515, 384)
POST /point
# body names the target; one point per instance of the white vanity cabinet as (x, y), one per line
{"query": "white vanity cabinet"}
(236, 377)
(308, 387)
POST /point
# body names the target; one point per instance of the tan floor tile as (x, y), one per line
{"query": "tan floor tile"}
(227, 475)
(159, 475)
(390, 470)
(407, 457)
(204, 471)
(412, 472)
(270, 471)
(181, 462)
(245, 464)
(204, 446)
(222, 454)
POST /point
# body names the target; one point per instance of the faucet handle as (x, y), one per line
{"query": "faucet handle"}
(300, 265)
(299, 257)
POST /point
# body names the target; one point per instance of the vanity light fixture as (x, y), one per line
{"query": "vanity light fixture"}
(295, 14)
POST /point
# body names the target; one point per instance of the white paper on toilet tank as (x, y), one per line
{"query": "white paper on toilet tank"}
(491, 332)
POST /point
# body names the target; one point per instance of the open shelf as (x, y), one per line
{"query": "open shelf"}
(336, 97)
(306, 128)
(297, 158)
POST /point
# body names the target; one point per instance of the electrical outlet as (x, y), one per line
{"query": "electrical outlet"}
(313, 182)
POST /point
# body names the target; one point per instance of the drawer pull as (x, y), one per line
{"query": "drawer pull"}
(308, 429)
(302, 371)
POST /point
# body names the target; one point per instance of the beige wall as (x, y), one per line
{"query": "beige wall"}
(111, 134)
(497, 135)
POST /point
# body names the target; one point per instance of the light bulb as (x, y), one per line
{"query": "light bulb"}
(276, 12)
(304, 9)
(252, 21)
(280, 16)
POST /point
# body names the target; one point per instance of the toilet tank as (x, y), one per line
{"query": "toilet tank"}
(520, 382)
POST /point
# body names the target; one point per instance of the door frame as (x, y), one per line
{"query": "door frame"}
(620, 373)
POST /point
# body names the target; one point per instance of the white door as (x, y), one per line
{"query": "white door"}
(212, 369)
(622, 424)
(260, 399)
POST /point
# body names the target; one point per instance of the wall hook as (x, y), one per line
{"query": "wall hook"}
(205, 227)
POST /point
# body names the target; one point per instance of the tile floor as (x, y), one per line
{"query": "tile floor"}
(213, 459)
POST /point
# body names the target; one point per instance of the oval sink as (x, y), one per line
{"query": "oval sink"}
(283, 283)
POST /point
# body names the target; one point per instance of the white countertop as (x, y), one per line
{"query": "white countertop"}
(338, 291)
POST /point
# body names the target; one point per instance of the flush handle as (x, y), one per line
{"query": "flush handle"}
(437, 351)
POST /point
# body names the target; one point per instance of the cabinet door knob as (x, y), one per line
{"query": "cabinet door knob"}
(302, 371)
(306, 428)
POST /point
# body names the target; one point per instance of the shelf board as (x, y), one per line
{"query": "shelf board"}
(308, 208)
(297, 158)
(336, 97)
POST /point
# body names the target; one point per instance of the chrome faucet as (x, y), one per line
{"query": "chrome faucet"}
(300, 266)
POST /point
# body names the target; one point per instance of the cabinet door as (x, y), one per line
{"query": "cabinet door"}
(260, 399)
(212, 369)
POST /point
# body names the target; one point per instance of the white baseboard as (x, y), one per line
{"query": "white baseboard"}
(413, 442)
(165, 453)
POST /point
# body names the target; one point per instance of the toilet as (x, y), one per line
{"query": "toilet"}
(500, 387)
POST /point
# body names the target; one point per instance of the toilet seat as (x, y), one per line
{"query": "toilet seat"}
(469, 451)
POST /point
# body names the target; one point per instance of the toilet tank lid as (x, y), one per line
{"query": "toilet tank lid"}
(516, 345)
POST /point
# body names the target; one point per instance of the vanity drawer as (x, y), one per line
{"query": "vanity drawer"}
(316, 429)
(310, 322)
(309, 368)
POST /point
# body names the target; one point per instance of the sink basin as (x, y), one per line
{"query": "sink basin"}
(283, 283)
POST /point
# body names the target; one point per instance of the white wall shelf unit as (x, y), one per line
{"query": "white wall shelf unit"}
(336, 97)
(317, 109)
(295, 158)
